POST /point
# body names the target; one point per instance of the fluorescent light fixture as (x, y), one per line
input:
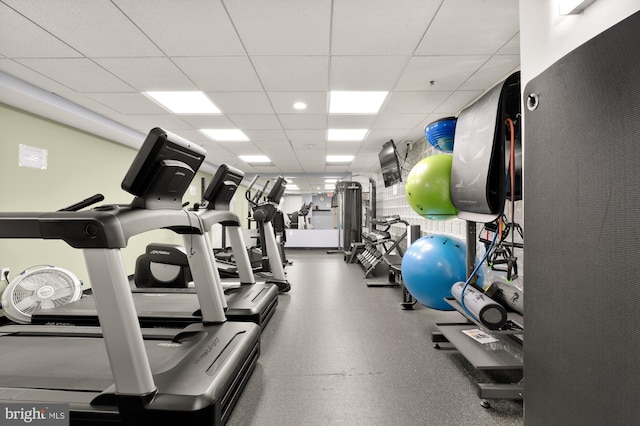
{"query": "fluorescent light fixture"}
(339, 158)
(331, 180)
(346, 102)
(300, 105)
(226, 135)
(573, 7)
(330, 186)
(254, 158)
(346, 134)
(185, 102)
(291, 186)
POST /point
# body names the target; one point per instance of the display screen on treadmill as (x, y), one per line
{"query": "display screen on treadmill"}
(162, 148)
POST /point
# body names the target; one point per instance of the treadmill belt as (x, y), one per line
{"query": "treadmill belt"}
(69, 363)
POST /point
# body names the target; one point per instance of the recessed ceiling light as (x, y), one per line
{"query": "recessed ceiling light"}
(346, 134)
(347, 102)
(226, 135)
(192, 102)
(339, 158)
(300, 105)
(254, 158)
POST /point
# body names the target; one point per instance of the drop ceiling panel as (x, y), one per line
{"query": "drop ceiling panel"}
(218, 155)
(512, 47)
(337, 169)
(380, 27)
(397, 121)
(377, 137)
(144, 123)
(21, 38)
(353, 121)
(414, 102)
(146, 74)
(480, 28)
(128, 103)
(458, 100)
(303, 121)
(293, 73)
(366, 72)
(196, 28)
(87, 102)
(415, 135)
(258, 135)
(79, 74)
(283, 102)
(309, 145)
(220, 74)
(208, 121)
(311, 160)
(96, 28)
(496, 69)
(306, 136)
(33, 77)
(241, 102)
(282, 27)
(343, 148)
(446, 72)
(255, 121)
(241, 148)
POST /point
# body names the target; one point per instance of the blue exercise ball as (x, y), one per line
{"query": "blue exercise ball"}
(431, 265)
(440, 134)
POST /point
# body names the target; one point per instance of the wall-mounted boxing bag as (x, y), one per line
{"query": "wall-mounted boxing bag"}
(478, 170)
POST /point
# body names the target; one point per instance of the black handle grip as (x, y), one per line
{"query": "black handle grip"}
(84, 203)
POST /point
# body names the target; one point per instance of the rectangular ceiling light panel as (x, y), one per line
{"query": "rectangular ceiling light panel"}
(226, 135)
(185, 102)
(355, 102)
(254, 158)
(339, 158)
(346, 135)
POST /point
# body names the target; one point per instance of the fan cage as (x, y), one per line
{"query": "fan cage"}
(45, 287)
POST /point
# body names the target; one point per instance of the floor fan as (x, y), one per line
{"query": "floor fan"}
(39, 287)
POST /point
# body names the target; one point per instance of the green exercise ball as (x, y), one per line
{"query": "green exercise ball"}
(427, 188)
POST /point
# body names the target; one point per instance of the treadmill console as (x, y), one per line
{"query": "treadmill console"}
(223, 187)
(277, 191)
(162, 170)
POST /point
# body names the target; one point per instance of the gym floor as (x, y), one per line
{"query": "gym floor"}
(339, 352)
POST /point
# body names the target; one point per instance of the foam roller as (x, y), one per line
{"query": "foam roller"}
(484, 309)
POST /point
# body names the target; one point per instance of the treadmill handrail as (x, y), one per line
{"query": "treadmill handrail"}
(104, 227)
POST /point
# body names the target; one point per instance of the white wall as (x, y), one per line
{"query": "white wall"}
(545, 36)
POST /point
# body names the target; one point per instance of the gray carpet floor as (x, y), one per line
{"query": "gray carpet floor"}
(337, 352)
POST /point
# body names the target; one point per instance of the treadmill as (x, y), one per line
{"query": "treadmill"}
(160, 290)
(264, 210)
(192, 375)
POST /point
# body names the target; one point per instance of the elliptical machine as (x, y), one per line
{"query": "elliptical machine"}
(263, 212)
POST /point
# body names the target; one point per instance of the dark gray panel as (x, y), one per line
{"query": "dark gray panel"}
(582, 257)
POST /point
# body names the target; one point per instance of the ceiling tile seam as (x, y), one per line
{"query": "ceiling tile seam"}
(408, 60)
(45, 30)
(164, 54)
(426, 30)
(46, 77)
(253, 66)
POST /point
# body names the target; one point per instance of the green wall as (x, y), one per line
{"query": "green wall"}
(79, 165)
